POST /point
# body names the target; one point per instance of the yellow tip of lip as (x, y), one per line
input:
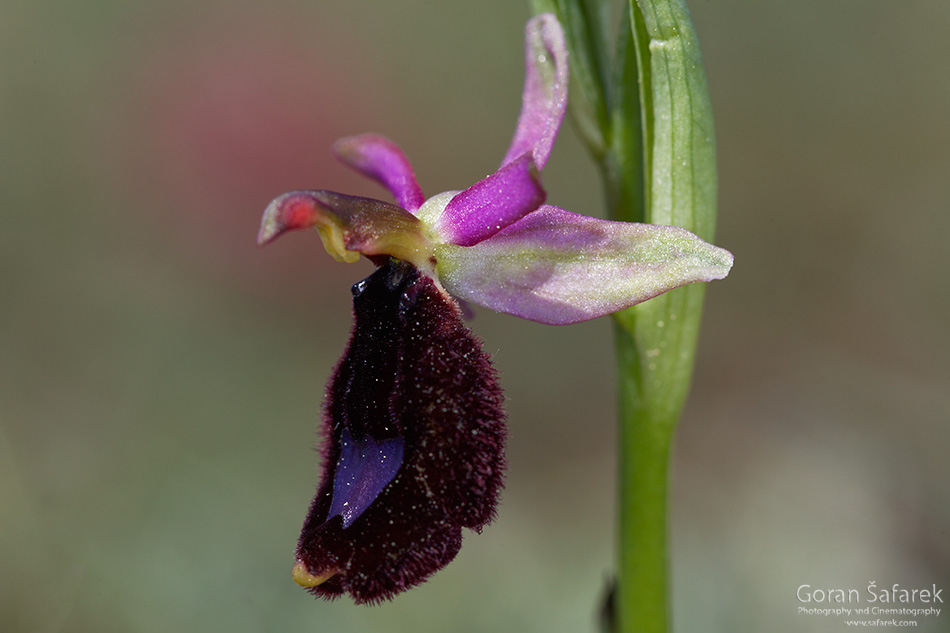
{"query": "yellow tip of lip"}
(305, 579)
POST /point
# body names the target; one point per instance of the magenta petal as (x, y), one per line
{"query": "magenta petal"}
(492, 203)
(545, 90)
(382, 160)
(558, 267)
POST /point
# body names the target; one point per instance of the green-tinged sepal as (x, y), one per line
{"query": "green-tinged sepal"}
(349, 226)
(558, 267)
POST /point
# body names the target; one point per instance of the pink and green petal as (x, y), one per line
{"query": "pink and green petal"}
(492, 203)
(380, 159)
(349, 226)
(558, 267)
(544, 100)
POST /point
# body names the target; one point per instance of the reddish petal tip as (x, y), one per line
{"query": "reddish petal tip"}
(348, 225)
(289, 212)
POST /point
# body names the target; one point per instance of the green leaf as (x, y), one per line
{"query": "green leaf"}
(679, 177)
(656, 340)
(679, 122)
(645, 114)
(626, 165)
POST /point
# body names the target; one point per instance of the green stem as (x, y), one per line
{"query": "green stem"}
(645, 114)
(644, 458)
(660, 168)
(655, 342)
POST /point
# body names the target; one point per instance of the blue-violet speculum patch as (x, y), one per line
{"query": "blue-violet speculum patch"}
(413, 418)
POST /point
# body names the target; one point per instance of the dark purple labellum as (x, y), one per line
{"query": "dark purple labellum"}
(415, 443)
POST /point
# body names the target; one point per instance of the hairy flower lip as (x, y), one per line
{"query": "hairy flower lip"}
(414, 372)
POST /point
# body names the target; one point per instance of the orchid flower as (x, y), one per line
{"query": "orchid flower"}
(413, 420)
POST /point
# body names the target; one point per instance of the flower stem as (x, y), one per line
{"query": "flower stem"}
(643, 109)
(659, 168)
(655, 345)
(644, 457)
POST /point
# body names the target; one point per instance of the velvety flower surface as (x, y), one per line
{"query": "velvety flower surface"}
(413, 422)
(415, 448)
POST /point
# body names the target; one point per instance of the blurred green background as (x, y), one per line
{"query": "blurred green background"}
(161, 377)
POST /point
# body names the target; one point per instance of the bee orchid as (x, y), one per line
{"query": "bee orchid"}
(414, 424)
